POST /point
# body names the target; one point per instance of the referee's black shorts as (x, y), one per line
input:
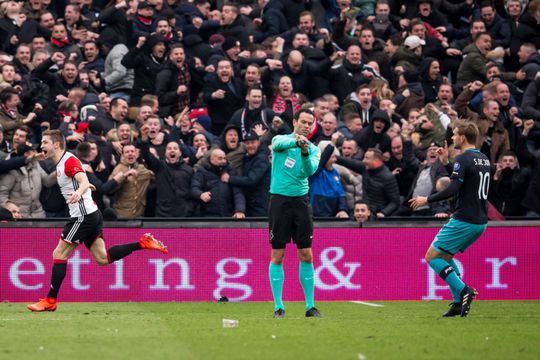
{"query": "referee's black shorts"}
(84, 229)
(290, 218)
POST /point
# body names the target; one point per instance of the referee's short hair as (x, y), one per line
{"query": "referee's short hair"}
(303, 110)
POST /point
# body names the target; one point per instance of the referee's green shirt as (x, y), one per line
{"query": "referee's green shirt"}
(291, 170)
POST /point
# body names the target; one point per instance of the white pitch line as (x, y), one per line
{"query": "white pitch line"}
(367, 303)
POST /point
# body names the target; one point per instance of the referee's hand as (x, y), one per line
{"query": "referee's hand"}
(302, 142)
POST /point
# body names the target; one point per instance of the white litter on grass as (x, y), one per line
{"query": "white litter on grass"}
(487, 338)
(273, 337)
(41, 348)
(367, 303)
(361, 356)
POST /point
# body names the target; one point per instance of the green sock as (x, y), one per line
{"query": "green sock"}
(448, 274)
(455, 294)
(277, 277)
(308, 283)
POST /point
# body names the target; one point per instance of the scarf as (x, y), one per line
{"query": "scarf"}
(145, 20)
(60, 43)
(280, 104)
(63, 114)
(184, 78)
(12, 113)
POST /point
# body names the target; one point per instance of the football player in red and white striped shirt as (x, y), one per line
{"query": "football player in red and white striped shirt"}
(86, 222)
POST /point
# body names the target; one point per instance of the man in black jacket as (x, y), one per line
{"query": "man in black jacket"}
(223, 94)
(255, 181)
(217, 198)
(509, 186)
(379, 185)
(173, 180)
(178, 83)
(147, 62)
(255, 113)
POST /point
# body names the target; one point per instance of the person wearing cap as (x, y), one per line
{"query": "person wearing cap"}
(409, 55)
(143, 23)
(255, 178)
(146, 59)
(23, 185)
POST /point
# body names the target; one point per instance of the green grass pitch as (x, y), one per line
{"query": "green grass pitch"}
(398, 330)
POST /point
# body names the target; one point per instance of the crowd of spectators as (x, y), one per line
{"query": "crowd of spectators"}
(171, 105)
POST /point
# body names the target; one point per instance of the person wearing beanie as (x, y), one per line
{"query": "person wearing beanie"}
(410, 54)
(143, 22)
(146, 59)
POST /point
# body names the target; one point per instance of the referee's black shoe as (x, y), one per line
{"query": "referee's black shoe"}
(455, 310)
(279, 314)
(313, 312)
(467, 296)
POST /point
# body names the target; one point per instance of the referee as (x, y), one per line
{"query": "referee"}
(294, 160)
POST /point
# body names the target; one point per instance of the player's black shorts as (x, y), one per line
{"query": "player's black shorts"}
(290, 218)
(83, 230)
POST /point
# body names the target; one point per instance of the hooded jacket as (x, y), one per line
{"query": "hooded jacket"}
(145, 67)
(368, 138)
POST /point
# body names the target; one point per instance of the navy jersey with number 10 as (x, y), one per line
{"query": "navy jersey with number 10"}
(472, 169)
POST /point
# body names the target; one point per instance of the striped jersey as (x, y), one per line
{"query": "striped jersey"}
(66, 169)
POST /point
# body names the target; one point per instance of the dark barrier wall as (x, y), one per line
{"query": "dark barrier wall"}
(207, 262)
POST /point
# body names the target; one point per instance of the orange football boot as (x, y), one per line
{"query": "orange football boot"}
(46, 304)
(147, 241)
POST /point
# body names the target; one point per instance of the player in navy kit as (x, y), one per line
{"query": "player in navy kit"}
(86, 221)
(470, 183)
